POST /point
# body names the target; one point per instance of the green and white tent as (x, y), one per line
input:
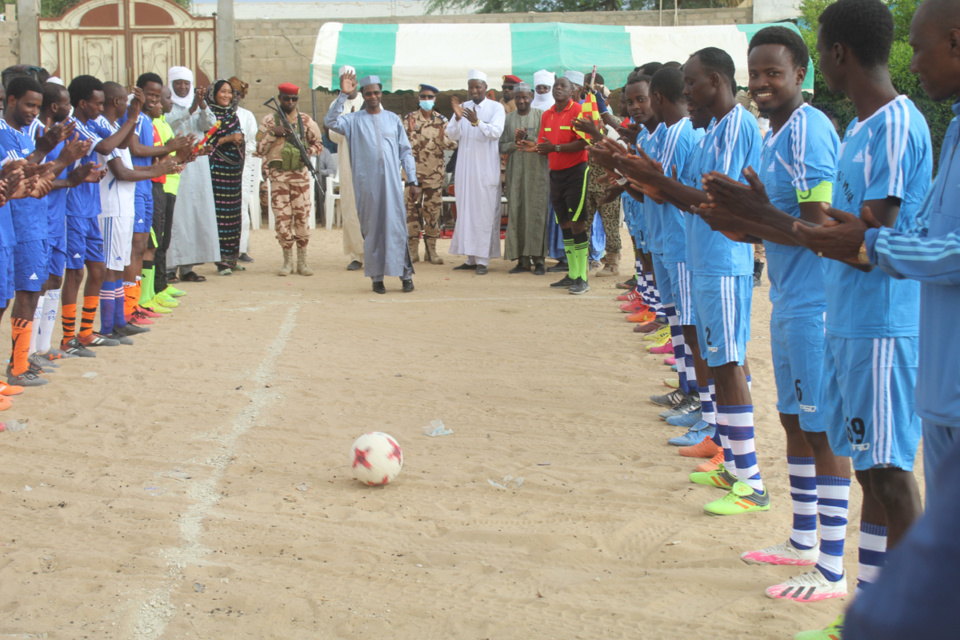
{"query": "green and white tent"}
(404, 55)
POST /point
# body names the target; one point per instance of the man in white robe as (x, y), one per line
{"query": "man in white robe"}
(193, 238)
(477, 126)
(352, 237)
(379, 147)
(252, 169)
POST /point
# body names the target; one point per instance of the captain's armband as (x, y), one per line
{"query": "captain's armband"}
(823, 192)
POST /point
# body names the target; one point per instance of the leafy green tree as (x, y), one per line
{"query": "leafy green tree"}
(938, 115)
(56, 8)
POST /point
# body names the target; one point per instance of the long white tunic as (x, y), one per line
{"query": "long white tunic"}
(193, 239)
(252, 175)
(477, 181)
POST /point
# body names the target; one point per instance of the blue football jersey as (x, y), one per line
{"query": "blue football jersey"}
(729, 147)
(887, 155)
(29, 214)
(679, 143)
(83, 201)
(56, 200)
(797, 158)
(650, 142)
(144, 133)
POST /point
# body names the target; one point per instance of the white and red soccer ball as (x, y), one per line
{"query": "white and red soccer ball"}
(377, 458)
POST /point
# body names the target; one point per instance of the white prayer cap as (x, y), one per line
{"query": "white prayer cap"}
(345, 69)
(522, 86)
(55, 80)
(543, 77)
(474, 74)
(370, 80)
(574, 76)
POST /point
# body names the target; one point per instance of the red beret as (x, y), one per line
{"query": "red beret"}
(511, 80)
(289, 88)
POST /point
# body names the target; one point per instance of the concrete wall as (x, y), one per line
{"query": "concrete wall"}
(269, 52)
(9, 38)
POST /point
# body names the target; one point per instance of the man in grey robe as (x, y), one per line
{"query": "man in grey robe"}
(378, 148)
(527, 188)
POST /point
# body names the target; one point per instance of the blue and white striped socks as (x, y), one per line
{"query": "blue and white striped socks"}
(739, 419)
(803, 492)
(833, 505)
(873, 553)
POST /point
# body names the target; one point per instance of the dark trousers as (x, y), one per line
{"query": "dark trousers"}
(162, 228)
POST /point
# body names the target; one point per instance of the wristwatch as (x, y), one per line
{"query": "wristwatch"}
(862, 256)
(556, 148)
(410, 184)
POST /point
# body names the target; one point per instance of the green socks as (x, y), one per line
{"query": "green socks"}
(146, 284)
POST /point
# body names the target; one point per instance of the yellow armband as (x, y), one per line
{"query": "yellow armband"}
(823, 192)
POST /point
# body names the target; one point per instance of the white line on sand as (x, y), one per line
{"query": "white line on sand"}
(416, 300)
(156, 609)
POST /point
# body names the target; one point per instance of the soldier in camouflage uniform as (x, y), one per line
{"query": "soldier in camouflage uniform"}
(426, 131)
(290, 183)
(609, 215)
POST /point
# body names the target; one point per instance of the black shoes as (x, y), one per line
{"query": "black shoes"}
(245, 258)
(538, 270)
(566, 283)
(379, 288)
(356, 265)
(519, 268)
(580, 286)
(481, 270)
(465, 267)
(407, 285)
(559, 267)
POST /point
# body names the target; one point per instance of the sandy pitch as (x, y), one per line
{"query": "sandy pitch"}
(199, 486)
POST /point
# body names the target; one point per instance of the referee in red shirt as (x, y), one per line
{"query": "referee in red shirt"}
(567, 155)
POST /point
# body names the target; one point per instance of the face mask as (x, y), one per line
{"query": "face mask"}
(427, 105)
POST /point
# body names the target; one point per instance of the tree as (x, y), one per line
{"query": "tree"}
(569, 6)
(938, 115)
(56, 8)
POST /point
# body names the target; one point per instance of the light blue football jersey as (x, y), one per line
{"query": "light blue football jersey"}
(887, 155)
(797, 158)
(651, 142)
(729, 147)
(679, 143)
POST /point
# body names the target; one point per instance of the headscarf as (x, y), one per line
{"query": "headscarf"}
(181, 73)
(229, 122)
(542, 101)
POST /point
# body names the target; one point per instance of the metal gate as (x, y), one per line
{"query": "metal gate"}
(120, 39)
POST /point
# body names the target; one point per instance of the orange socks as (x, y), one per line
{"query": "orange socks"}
(131, 298)
(69, 317)
(90, 304)
(21, 345)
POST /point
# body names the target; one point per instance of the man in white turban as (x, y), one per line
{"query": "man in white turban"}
(477, 126)
(352, 237)
(543, 90)
(193, 236)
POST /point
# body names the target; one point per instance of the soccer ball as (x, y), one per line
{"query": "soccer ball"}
(377, 458)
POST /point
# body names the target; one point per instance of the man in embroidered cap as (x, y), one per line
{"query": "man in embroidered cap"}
(426, 129)
(288, 176)
(506, 97)
(477, 126)
(527, 187)
(379, 148)
(352, 238)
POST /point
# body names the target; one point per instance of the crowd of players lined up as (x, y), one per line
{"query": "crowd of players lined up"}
(845, 336)
(83, 171)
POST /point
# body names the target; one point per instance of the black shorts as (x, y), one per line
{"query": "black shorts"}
(568, 192)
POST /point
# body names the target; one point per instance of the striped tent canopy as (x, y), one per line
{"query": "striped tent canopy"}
(405, 55)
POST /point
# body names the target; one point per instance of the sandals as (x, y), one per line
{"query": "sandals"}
(191, 276)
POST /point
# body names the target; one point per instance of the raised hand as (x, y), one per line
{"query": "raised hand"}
(167, 165)
(74, 150)
(471, 115)
(457, 107)
(38, 169)
(589, 127)
(42, 186)
(520, 135)
(747, 201)
(348, 83)
(527, 146)
(81, 173)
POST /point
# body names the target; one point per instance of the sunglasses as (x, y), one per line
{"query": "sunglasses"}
(426, 97)
(290, 98)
